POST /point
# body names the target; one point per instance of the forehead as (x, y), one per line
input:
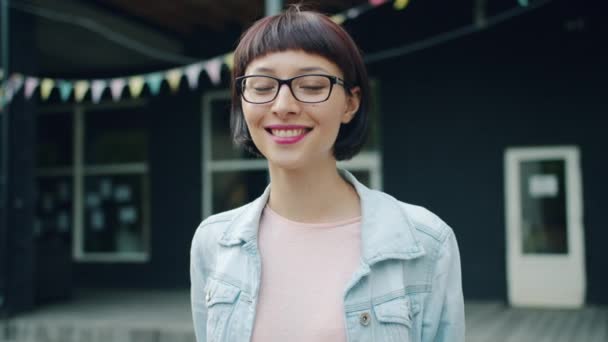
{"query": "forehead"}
(290, 63)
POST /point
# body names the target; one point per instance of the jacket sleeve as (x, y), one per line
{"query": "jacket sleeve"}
(444, 319)
(197, 288)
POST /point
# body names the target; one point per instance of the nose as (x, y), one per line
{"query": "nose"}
(285, 103)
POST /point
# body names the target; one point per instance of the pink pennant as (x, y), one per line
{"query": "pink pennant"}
(116, 87)
(214, 69)
(30, 85)
(192, 72)
(14, 85)
(376, 2)
(97, 88)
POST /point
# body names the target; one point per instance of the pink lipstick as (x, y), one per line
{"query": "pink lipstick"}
(287, 134)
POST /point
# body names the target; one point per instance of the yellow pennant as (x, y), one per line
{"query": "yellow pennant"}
(136, 85)
(46, 87)
(401, 4)
(80, 90)
(229, 60)
(338, 18)
(173, 77)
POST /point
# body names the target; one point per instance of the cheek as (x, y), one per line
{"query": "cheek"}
(251, 115)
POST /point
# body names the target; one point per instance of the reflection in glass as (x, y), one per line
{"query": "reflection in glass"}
(115, 213)
(543, 198)
(53, 207)
(233, 189)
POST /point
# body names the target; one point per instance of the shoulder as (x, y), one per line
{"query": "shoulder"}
(426, 222)
(427, 228)
(210, 230)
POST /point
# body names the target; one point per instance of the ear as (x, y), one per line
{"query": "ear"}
(353, 101)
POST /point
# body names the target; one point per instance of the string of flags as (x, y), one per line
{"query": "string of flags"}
(135, 84)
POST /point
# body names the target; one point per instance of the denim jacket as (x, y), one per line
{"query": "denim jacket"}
(407, 287)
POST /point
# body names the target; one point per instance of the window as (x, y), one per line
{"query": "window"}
(233, 177)
(93, 181)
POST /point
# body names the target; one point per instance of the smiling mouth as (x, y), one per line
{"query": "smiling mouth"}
(288, 133)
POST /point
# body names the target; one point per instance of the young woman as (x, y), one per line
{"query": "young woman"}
(318, 257)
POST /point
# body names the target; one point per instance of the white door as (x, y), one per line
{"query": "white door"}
(545, 245)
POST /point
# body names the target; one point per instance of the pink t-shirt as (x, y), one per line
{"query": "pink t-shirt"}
(305, 270)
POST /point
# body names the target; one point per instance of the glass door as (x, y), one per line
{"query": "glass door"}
(545, 248)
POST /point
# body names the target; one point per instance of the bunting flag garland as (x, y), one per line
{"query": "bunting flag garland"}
(214, 70)
(339, 19)
(377, 2)
(46, 87)
(116, 87)
(15, 82)
(229, 60)
(136, 85)
(174, 77)
(154, 80)
(65, 89)
(30, 86)
(80, 90)
(401, 4)
(97, 88)
(192, 72)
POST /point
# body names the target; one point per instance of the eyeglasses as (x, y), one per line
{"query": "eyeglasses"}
(313, 88)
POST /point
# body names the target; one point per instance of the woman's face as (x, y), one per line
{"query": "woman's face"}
(289, 133)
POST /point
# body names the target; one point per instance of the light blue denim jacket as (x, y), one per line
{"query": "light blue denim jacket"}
(407, 287)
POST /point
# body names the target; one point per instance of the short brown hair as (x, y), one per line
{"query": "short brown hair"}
(314, 33)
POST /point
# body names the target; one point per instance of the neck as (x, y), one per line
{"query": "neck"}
(312, 195)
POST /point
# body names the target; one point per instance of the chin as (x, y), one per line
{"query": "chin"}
(286, 164)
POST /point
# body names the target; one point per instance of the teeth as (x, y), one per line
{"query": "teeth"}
(287, 133)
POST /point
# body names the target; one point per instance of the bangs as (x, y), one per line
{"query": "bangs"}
(302, 31)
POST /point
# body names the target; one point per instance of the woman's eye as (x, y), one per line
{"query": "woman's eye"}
(312, 87)
(263, 88)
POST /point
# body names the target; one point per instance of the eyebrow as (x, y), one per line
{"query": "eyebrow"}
(305, 69)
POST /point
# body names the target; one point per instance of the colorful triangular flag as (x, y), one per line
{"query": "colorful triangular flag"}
(65, 89)
(116, 87)
(174, 77)
(154, 81)
(214, 70)
(192, 72)
(30, 86)
(136, 85)
(338, 18)
(401, 4)
(15, 82)
(97, 88)
(46, 87)
(80, 90)
(229, 60)
(377, 2)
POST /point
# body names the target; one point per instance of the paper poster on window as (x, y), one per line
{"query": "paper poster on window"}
(127, 215)
(105, 188)
(93, 200)
(97, 220)
(64, 191)
(543, 186)
(63, 222)
(122, 193)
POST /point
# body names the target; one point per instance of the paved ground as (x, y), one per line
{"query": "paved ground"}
(164, 316)
(497, 322)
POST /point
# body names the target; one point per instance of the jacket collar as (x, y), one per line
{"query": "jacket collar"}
(386, 230)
